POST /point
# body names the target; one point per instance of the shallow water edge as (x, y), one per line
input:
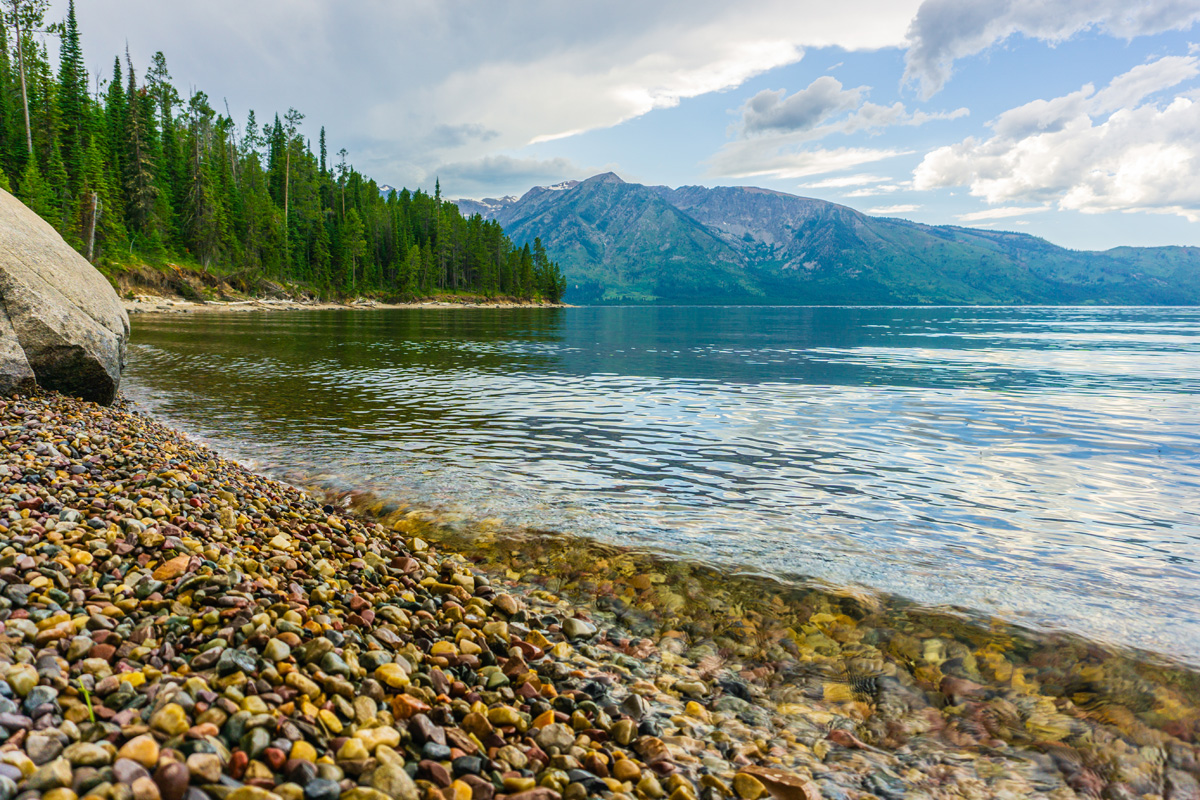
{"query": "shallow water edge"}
(219, 608)
(1033, 464)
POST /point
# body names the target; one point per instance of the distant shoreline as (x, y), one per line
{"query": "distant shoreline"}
(168, 305)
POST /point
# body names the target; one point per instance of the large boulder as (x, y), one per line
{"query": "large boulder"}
(60, 320)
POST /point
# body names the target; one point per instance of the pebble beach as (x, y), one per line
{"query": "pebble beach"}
(174, 626)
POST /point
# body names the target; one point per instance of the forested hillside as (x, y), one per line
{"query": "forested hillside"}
(130, 171)
(624, 242)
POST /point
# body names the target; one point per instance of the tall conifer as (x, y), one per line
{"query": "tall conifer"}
(72, 101)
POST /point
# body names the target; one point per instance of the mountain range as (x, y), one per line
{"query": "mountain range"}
(620, 242)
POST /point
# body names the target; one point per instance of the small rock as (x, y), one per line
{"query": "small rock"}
(233, 660)
(51, 776)
(373, 737)
(353, 750)
(635, 706)
(140, 749)
(204, 767)
(623, 731)
(252, 793)
(22, 680)
(506, 603)
(321, 789)
(394, 782)
(127, 771)
(555, 735)
(84, 754)
(172, 569)
(505, 715)
(277, 650)
(577, 629)
(626, 770)
(649, 786)
(748, 787)
(392, 675)
(42, 747)
(172, 780)
(171, 719)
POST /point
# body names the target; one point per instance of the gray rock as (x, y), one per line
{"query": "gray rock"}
(636, 706)
(576, 629)
(127, 771)
(53, 775)
(15, 372)
(232, 661)
(60, 314)
(392, 780)
(276, 650)
(322, 789)
(555, 735)
(43, 748)
(85, 754)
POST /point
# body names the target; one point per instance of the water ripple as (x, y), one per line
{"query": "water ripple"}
(1038, 464)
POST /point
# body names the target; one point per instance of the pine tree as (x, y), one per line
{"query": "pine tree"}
(202, 232)
(354, 245)
(10, 151)
(72, 101)
(141, 193)
(158, 85)
(24, 15)
(292, 121)
(119, 174)
(116, 120)
(525, 281)
(37, 194)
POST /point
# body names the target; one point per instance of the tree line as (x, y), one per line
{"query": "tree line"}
(127, 169)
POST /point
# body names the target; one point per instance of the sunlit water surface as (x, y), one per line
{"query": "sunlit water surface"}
(1042, 465)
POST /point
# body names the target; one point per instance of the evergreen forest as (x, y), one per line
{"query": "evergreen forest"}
(129, 171)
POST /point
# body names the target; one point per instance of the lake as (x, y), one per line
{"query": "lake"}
(1041, 465)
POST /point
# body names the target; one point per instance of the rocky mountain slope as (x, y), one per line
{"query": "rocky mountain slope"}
(625, 242)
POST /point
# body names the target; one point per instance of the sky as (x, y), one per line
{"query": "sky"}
(1074, 120)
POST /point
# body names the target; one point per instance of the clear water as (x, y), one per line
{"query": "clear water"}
(1041, 465)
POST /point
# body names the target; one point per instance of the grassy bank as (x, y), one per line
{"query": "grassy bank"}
(176, 627)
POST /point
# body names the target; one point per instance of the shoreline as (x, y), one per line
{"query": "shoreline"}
(259, 645)
(151, 304)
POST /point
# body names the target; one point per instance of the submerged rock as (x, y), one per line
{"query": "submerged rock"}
(174, 627)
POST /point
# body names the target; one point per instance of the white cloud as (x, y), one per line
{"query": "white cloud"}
(1144, 80)
(823, 98)
(408, 86)
(1079, 153)
(875, 191)
(776, 129)
(946, 30)
(872, 118)
(506, 174)
(1005, 212)
(861, 179)
(902, 208)
(800, 115)
(779, 158)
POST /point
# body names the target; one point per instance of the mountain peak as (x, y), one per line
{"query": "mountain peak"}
(626, 243)
(604, 177)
